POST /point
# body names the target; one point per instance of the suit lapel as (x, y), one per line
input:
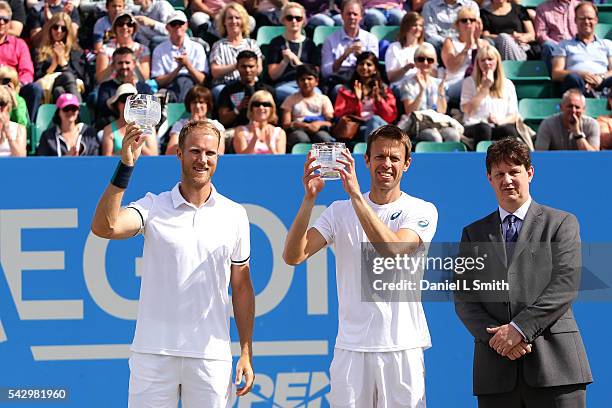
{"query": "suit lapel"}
(525, 235)
(494, 234)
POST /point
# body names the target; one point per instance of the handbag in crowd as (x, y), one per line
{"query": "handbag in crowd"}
(347, 127)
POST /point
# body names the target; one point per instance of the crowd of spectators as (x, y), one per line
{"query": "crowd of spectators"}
(442, 78)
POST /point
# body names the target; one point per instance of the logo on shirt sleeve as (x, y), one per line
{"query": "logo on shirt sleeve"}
(423, 223)
(395, 215)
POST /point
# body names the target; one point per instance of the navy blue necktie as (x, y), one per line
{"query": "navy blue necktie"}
(511, 235)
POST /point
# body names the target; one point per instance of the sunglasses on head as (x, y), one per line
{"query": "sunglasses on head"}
(467, 20)
(5, 81)
(424, 59)
(61, 28)
(70, 108)
(126, 23)
(5, 19)
(257, 104)
(175, 24)
(289, 17)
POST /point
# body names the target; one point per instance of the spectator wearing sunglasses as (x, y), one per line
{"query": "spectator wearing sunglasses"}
(290, 50)
(458, 54)
(423, 91)
(59, 63)
(68, 136)
(10, 81)
(260, 136)
(235, 97)
(440, 17)
(14, 51)
(124, 30)
(152, 18)
(42, 12)
(123, 73)
(179, 63)
(12, 135)
(114, 132)
(102, 31)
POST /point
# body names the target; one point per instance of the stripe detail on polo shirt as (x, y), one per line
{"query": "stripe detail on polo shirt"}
(241, 262)
(142, 223)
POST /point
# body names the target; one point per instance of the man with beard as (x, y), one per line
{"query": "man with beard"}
(123, 66)
(196, 244)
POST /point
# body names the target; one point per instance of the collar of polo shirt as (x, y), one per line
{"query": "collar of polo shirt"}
(178, 199)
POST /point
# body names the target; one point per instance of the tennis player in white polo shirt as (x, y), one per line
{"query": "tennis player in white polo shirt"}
(378, 357)
(196, 244)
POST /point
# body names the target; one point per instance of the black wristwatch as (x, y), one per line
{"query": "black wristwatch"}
(579, 136)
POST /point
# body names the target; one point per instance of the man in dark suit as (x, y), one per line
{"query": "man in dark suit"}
(528, 351)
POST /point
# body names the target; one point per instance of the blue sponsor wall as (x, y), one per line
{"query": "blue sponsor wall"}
(68, 299)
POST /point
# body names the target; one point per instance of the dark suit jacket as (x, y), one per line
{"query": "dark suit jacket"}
(544, 278)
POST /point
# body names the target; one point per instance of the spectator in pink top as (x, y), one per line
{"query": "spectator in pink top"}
(383, 12)
(554, 22)
(14, 51)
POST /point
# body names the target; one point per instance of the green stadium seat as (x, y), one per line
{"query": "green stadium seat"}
(439, 147)
(265, 34)
(383, 32)
(360, 148)
(483, 145)
(531, 3)
(44, 118)
(531, 78)
(534, 111)
(175, 112)
(596, 107)
(605, 17)
(301, 148)
(322, 32)
(604, 30)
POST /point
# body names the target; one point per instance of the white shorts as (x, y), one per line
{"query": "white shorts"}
(155, 381)
(386, 379)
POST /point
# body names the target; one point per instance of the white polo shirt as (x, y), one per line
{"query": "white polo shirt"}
(163, 60)
(375, 326)
(184, 307)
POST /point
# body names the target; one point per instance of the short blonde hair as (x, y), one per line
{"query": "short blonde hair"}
(426, 49)
(4, 6)
(263, 96)
(244, 16)
(290, 5)
(465, 12)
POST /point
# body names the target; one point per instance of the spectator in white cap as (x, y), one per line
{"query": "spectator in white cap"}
(152, 18)
(68, 136)
(114, 132)
(179, 63)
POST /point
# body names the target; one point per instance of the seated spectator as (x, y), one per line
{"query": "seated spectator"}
(458, 54)
(114, 132)
(423, 91)
(152, 18)
(265, 12)
(234, 99)
(583, 62)
(555, 21)
(509, 26)
(290, 50)
(322, 13)
(307, 114)
(12, 135)
(14, 51)
(179, 63)
(67, 136)
(123, 65)
(124, 29)
(340, 50)
(399, 57)
(59, 62)
(440, 17)
(569, 129)
(102, 31)
(605, 127)
(199, 103)
(10, 81)
(383, 12)
(233, 25)
(488, 100)
(203, 15)
(41, 13)
(367, 97)
(19, 17)
(260, 136)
